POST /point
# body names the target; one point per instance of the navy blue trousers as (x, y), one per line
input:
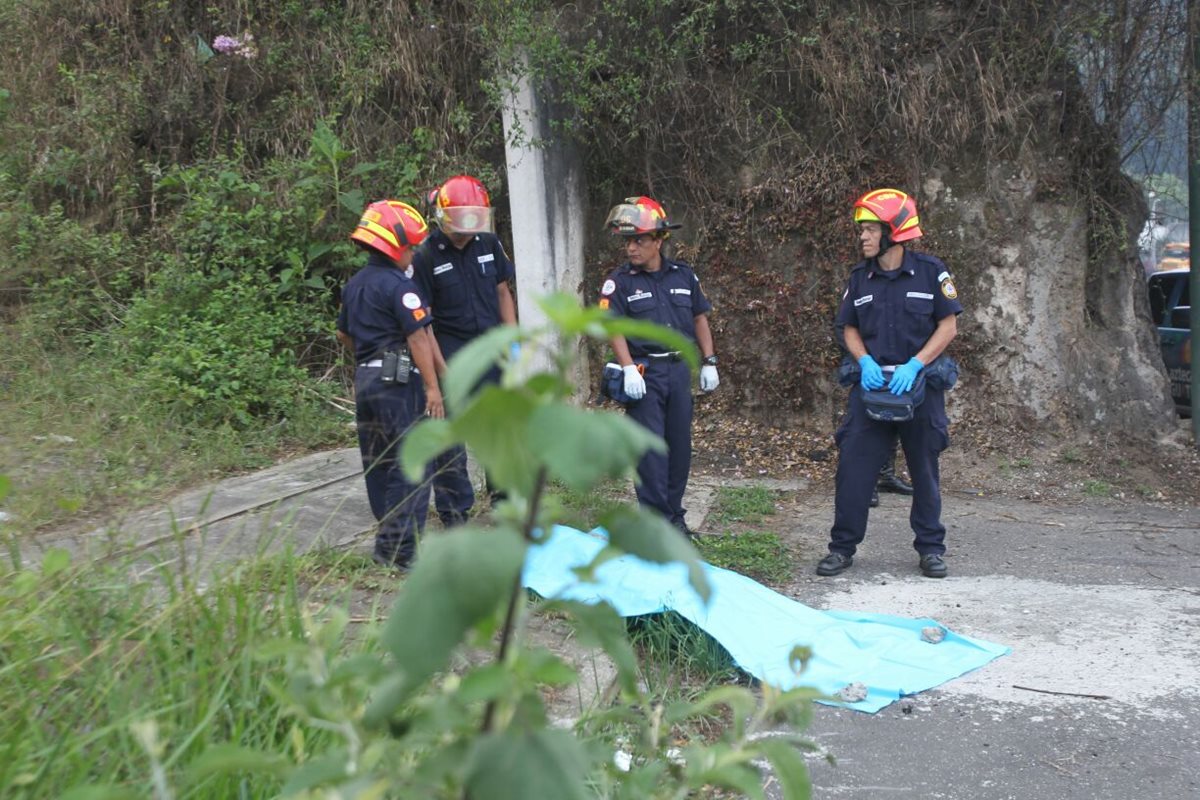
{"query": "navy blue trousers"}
(864, 445)
(384, 414)
(453, 495)
(666, 410)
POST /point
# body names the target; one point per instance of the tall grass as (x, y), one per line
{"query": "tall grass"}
(105, 679)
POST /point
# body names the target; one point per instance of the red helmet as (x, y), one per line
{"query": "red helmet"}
(463, 206)
(894, 209)
(638, 215)
(391, 227)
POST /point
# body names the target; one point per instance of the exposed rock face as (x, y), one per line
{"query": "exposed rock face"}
(1058, 333)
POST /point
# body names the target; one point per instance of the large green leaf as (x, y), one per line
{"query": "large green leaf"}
(567, 315)
(224, 759)
(582, 448)
(717, 767)
(98, 793)
(422, 443)
(601, 626)
(572, 319)
(515, 765)
(789, 768)
(489, 682)
(640, 329)
(459, 579)
(5, 486)
(647, 535)
(495, 425)
(353, 201)
(330, 766)
(472, 362)
(740, 702)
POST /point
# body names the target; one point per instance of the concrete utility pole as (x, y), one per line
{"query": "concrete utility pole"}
(1193, 72)
(545, 195)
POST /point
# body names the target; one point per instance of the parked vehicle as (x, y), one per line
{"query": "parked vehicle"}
(1171, 308)
(1175, 255)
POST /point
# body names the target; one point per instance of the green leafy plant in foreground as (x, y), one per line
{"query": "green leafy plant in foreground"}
(407, 725)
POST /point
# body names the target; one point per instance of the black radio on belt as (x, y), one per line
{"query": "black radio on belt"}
(397, 366)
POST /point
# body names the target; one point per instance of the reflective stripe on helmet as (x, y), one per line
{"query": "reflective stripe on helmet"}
(893, 208)
(390, 227)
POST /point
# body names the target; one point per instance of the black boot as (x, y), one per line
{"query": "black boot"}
(889, 481)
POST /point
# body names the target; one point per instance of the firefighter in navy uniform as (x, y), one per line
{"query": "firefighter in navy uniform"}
(898, 314)
(464, 272)
(651, 287)
(385, 322)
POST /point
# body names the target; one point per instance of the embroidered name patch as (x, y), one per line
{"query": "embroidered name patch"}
(864, 299)
(440, 268)
(681, 291)
(486, 258)
(921, 295)
(638, 296)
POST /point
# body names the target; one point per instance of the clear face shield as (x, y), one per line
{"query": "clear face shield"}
(627, 219)
(465, 219)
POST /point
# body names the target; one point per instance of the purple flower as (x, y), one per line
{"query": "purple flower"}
(233, 45)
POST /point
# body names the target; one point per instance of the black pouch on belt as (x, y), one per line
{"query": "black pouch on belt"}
(397, 366)
(883, 406)
(612, 381)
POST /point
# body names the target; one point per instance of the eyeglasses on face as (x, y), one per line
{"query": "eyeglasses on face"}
(640, 240)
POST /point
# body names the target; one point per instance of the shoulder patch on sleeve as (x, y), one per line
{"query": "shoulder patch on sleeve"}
(943, 276)
(609, 287)
(948, 289)
(604, 303)
(411, 300)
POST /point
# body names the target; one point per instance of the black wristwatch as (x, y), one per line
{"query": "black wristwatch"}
(710, 361)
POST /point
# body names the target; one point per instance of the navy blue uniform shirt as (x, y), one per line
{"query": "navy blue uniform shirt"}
(461, 284)
(896, 312)
(381, 306)
(670, 296)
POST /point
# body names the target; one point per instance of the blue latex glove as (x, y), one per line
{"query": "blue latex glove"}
(903, 377)
(514, 351)
(872, 373)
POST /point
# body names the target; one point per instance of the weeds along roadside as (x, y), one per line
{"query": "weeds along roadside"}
(107, 679)
(111, 681)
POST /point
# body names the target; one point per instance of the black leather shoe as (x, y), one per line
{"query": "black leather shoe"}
(453, 520)
(399, 567)
(685, 530)
(834, 564)
(932, 566)
(893, 483)
(874, 498)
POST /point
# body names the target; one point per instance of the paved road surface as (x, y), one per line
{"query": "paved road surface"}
(1099, 601)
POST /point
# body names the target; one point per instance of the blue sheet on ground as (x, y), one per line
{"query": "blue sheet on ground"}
(759, 627)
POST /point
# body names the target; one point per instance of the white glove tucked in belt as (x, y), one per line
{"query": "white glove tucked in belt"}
(635, 384)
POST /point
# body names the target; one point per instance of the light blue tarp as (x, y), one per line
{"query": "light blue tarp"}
(759, 627)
